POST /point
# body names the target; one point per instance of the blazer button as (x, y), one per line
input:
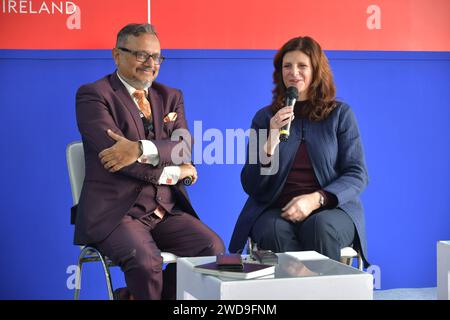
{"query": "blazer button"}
(159, 198)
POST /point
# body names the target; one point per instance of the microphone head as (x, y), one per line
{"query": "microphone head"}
(291, 98)
(292, 93)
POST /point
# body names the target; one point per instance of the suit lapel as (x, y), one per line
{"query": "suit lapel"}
(157, 111)
(128, 102)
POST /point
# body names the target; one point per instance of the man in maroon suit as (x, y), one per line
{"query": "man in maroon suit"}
(133, 204)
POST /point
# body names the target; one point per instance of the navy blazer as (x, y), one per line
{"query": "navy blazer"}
(336, 154)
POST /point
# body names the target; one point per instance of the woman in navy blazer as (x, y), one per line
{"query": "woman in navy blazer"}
(303, 192)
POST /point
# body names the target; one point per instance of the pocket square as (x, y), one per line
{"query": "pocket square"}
(170, 117)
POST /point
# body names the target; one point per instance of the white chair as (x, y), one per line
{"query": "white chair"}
(347, 254)
(75, 164)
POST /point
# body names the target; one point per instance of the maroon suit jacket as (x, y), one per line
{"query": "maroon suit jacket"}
(106, 197)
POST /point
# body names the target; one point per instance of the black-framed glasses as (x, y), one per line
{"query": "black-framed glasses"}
(142, 56)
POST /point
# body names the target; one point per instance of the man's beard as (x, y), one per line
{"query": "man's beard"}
(138, 84)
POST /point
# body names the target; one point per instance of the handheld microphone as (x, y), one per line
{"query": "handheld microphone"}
(291, 98)
(187, 181)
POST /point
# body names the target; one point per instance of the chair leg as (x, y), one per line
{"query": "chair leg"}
(347, 260)
(81, 259)
(360, 262)
(350, 261)
(81, 256)
(108, 278)
(78, 280)
(251, 245)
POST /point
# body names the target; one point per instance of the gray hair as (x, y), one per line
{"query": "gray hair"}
(135, 29)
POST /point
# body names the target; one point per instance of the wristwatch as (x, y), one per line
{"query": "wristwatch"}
(321, 200)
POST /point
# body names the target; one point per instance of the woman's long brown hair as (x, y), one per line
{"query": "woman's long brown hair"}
(321, 92)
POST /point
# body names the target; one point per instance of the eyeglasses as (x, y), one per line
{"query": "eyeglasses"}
(142, 56)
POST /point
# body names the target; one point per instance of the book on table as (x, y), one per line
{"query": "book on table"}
(249, 271)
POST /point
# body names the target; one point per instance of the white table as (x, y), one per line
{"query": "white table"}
(443, 270)
(298, 275)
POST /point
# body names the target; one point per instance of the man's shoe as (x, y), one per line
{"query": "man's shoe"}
(122, 294)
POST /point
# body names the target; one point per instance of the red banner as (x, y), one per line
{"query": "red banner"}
(416, 25)
(76, 24)
(406, 25)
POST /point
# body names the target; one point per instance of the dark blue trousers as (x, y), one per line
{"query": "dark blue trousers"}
(325, 231)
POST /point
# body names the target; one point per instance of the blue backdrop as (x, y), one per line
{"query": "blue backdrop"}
(400, 100)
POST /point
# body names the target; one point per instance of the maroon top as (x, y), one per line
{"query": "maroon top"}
(302, 180)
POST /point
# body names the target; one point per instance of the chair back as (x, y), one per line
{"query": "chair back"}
(75, 164)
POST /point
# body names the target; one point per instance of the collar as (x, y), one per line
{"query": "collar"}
(129, 88)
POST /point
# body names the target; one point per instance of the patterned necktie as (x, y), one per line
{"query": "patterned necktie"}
(143, 103)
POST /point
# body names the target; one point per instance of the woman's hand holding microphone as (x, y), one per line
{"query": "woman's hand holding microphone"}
(279, 119)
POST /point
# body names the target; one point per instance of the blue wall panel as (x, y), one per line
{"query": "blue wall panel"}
(400, 100)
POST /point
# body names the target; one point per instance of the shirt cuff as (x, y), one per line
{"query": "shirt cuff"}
(150, 153)
(170, 175)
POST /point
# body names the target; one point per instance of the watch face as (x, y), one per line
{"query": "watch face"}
(322, 200)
